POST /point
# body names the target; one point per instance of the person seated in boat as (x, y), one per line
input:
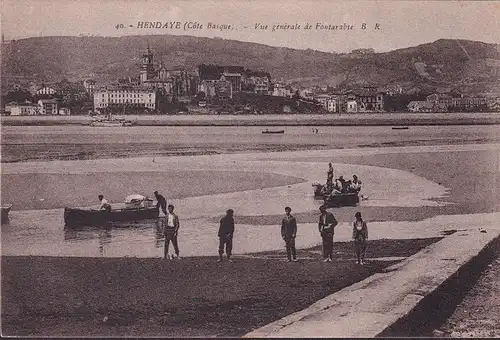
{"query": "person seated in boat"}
(335, 192)
(356, 184)
(337, 184)
(340, 184)
(348, 187)
(104, 203)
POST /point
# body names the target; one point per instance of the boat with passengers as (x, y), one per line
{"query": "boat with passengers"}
(135, 208)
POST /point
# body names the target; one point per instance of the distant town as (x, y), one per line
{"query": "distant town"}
(224, 89)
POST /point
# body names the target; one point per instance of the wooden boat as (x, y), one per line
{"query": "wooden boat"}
(5, 211)
(341, 200)
(400, 127)
(273, 131)
(119, 213)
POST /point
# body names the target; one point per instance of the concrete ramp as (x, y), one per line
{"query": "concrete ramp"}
(370, 307)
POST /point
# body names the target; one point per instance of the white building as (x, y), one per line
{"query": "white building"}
(89, 85)
(331, 105)
(261, 88)
(46, 90)
(306, 94)
(133, 96)
(328, 102)
(64, 111)
(352, 106)
(280, 90)
(47, 106)
(24, 109)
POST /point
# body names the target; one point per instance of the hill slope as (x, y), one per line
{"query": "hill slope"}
(441, 63)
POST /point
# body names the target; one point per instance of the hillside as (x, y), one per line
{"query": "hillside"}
(443, 63)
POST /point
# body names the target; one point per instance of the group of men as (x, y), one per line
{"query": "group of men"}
(326, 227)
(169, 223)
(340, 185)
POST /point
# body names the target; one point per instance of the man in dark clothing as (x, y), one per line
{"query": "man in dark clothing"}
(288, 232)
(171, 229)
(161, 202)
(326, 225)
(360, 237)
(225, 234)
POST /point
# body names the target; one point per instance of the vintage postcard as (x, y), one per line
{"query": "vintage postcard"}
(243, 168)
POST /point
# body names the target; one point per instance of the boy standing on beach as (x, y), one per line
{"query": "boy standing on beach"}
(171, 228)
(360, 236)
(326, 225)
(289, 232)
(225, 234)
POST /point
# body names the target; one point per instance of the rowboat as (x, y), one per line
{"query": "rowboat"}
(335, 200)
(273, 131)
(118, 213)
(5, 211)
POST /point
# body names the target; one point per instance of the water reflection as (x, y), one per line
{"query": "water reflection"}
(112, 232)
(104, 237)
(159, 236)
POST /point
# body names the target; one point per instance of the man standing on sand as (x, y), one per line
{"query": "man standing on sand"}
(289, 232)
(226, 231)
(326, 225)
(360, 236)
(161, 202)
(171, 229)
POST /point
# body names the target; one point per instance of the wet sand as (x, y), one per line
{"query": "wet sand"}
(478, 315)
(44, 296)
(21, 144)
(47, 191)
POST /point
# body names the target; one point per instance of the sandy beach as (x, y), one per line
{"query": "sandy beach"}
(186, 298)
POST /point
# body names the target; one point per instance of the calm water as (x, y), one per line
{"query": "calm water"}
(80, 142)
(42, 232)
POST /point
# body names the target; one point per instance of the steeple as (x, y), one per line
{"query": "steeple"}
(147, 67)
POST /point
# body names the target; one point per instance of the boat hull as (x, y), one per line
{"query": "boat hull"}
(80, 216)
(111, 124)
(274, 132)
(342, 200)
(5, 212)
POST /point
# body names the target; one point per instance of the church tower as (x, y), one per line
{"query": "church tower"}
(147, 67)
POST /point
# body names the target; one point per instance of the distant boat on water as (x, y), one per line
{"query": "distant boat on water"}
(273, 131)
(110, 121)
(400, 127)
(5, 211)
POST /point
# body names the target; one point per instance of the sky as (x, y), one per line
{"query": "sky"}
(401, 23)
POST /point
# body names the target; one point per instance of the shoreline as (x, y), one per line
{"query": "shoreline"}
(356, 119)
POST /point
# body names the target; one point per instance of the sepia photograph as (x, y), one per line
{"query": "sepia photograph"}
(229, 169)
